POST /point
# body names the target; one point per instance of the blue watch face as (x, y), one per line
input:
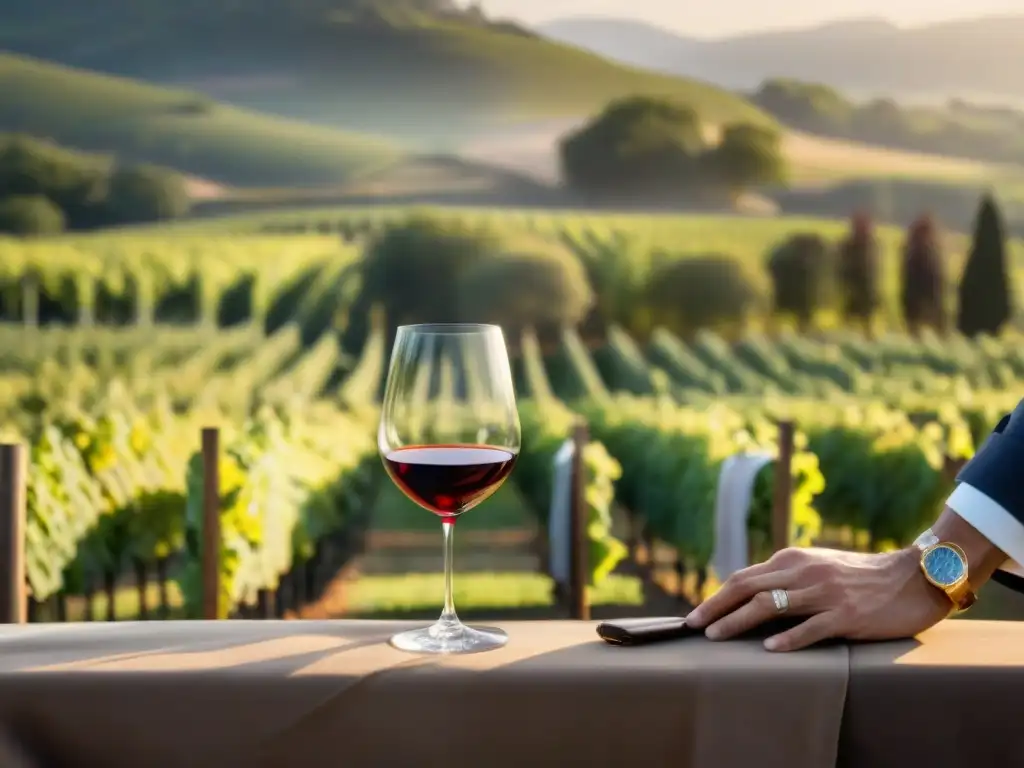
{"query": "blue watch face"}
(944, 566)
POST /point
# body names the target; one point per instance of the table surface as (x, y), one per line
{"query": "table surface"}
(297, 693)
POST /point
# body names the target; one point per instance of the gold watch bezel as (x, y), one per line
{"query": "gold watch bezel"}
(958, 589)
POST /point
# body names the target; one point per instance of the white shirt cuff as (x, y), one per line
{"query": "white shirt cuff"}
(993, 522)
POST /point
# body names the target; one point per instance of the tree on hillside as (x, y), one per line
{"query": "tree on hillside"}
(86, 188)
(922, 278)
(985, 291)
(146, 193)
(859, 272)
(519, 290)
(747, 155)
(636, 146)
(808, 106)
(28, 215)
(32, 167)
(74, 182)
(883, 121)
(413, 269)
(801, 270)
(690, 293)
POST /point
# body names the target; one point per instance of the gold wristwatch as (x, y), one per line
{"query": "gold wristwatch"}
(945, 566)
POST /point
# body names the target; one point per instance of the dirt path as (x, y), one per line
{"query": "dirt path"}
(839, 158)
(200, 190)
(389, 549)
(515, 550)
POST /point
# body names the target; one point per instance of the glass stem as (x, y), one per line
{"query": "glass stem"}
(448, 615)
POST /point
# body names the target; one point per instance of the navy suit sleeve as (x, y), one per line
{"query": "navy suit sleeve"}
(997, 470)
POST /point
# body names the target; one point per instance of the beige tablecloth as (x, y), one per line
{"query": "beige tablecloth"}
(952, 698)
(334, 694)
(262, 694)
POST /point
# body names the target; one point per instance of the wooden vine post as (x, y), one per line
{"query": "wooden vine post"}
(211, 524)
(782, 506)
(13, 585)
(579, 606)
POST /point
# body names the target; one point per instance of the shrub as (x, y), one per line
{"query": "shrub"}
(146, 193)
(74, 182)
(520, 289)
(26, 215)
(689, 293)
(810, 106)
(801, 270)
(413, 268)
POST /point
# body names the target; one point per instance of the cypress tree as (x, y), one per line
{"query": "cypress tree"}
(859, 271)
(986, 301)
(802, 272)
(923, 278)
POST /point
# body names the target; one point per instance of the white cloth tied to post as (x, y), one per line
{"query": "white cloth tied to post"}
(559, 529)
(732, 510)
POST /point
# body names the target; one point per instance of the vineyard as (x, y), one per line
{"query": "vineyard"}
(115, 478)
(119, 349)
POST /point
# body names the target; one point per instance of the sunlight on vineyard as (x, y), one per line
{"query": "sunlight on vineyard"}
(117, 350)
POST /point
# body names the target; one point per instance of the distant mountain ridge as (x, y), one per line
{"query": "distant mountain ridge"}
(981, 57)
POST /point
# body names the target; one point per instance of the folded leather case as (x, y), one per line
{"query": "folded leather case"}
(662, 628)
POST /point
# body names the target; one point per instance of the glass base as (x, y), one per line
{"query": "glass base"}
(450, 638)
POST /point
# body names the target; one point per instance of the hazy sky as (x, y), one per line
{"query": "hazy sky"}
(721, 17)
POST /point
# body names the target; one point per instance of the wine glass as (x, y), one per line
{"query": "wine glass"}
(449, 437)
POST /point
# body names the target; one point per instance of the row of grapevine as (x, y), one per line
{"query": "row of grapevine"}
(530, 374)
(622, 365)
(308, 378)
(861, 467)
(233, 389)
(125, 487)
(363, 385)
(572, 372)
(885, 474)
(229, 370)
(671, 458)
(139, 280)
(546, 425)
(826, 367)
(104, 491)
(285, 484)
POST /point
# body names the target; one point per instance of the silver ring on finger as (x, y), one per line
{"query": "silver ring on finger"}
(781, 599)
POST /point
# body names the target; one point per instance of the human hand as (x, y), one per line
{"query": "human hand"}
(846, 595)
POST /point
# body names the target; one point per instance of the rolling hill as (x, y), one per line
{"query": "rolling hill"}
(182, 130)
(412, 69)
(977, 59)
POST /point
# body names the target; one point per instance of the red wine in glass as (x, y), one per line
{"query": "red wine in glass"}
(449, 479)
(449, 436)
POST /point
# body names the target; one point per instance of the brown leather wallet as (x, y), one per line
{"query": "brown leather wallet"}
(663, 628)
